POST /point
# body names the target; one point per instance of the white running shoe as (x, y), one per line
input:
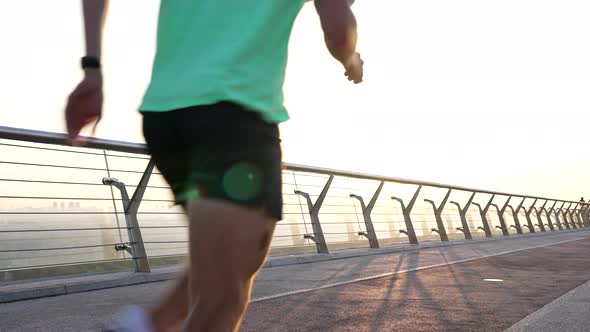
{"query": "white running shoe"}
(131, 319)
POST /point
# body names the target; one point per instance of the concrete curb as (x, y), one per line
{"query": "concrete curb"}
(140, 278)
(32, 294)
(135, 279)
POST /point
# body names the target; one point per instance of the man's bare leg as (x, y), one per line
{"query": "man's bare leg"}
(228, 245)
(174, 306)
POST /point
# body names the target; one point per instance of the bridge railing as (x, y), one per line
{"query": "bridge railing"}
(104, 206)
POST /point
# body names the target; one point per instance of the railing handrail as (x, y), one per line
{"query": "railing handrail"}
(36, 136)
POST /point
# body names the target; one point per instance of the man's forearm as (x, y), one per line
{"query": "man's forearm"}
(340, 28)
(343, 49)
(94, 17)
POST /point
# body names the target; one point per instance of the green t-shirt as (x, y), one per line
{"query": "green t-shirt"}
(222, 50)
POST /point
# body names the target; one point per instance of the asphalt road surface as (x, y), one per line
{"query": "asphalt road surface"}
(450, 298)
(447, 293)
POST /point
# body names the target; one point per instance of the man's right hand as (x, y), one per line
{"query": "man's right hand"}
(354, 69)
(340, 34)
(84, 104)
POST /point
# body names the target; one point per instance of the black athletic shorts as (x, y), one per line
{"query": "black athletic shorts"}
(219, 151)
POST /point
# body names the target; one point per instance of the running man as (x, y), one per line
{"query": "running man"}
(210, 119)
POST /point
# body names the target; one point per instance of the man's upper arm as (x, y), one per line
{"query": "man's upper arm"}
(335, 15)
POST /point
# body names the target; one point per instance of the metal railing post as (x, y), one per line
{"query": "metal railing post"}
(568, 213)
(578, 213)
(549, 212)
(437, 214)
(463, 214)
(563, 216)
(484, 219)
(575, 215)
(558, 213)
(407, 211)
(501, 211)
(516, 225)
(564, 213)
(517, 219)
(558, 218)
(584, 214)
(580, 216)
(314, 210)
(540, 211)
(371, 235)
(528, 216)
(130, 208)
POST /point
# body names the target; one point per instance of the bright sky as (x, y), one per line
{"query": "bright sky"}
(490, 94)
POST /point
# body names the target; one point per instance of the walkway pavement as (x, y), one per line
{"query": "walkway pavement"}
(443, 290)
(567, 313)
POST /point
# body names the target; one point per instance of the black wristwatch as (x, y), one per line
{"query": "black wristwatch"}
(90, 62)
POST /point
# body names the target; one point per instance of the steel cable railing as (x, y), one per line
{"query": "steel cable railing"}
(323, 209)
